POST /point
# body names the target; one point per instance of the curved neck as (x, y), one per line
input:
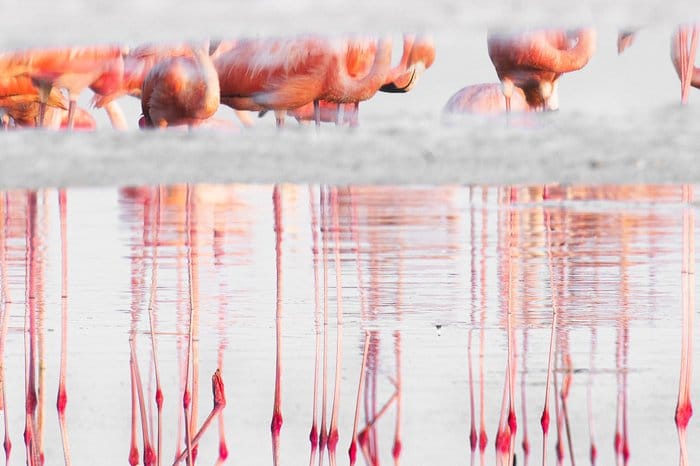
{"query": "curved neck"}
(547, 56)
(357, 89)
(206, 65)
(399, 69)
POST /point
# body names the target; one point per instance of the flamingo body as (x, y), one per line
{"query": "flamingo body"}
(273, 74)
(485, 99)
(534, 61)
(180, 91)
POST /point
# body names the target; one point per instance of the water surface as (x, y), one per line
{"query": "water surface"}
(441, 283)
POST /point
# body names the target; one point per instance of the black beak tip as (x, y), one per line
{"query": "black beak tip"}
(392, 88)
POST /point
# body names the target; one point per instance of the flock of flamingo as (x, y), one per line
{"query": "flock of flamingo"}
(311, 78)
(308, 77)
(530, 65)
(163, 218)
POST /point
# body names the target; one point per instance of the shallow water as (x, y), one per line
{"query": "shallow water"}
(436, 279)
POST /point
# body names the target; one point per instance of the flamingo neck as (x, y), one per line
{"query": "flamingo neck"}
(359, 89)
(399, 69)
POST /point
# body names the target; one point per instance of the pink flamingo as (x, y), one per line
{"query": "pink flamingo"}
(418, 55)
(180, 91)
(284, 74)
(534, 61)
(73, 69)
(486, 99)
(21, 100)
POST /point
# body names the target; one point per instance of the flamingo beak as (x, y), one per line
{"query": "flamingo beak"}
(395, 88)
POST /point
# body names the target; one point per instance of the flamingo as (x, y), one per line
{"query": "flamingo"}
(285, 74)
(534, 61)
(683, 58)
(73, 69)
(20, 99)
(139, 62)
(418, 55)
(272, 74)
(181, 91)
(486, 99)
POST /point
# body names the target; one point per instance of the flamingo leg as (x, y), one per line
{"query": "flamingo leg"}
(279, 118)
(355, 118)
(116, 116)
(71, 112)
(507, 89)
(44, 91)
(317, 113)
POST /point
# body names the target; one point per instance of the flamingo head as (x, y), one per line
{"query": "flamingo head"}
(624, 40)
(420, 58)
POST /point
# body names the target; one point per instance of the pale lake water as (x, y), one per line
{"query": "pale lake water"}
(433, 279)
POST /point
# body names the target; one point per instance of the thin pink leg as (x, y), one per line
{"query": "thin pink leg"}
(352, 451)
(333, 429)
(323, 436)
(133, 447)
(62, 398)
(313, 434)
(191, 258)
(483, 437)
(589, 398)
(276, 424)
(544, 420)
(473, 438)
(396, 449)
(219, 254)
(151, 321)
(5, 306)
(30, 434)
(525, 442)
(564, 394)
(149, 456)
(559, 417)
(684, 408)
(219, 404)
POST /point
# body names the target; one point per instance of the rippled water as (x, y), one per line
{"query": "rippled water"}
(435, 280)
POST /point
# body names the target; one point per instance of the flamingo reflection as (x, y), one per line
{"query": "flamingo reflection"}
(684, 407)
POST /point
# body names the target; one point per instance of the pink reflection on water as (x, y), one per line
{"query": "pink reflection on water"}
(546, 252)
(684, 407)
